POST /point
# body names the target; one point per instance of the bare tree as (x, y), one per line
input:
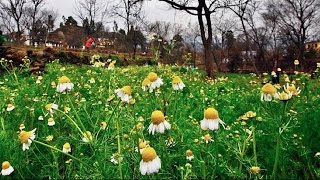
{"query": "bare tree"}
(15, 9)
(192, 38)
(203, 10)
(128, 10)
(49, 18)
(160, 28)
(240, 10)
(222, 24)
(271, 22)
(296, 18)
(32, 15)
(92, 14)
(258, 35)
(6, 22)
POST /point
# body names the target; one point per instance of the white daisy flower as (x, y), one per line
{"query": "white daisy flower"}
(26, 138)
(103, 125)
(158, 124)
(150, 162)
(189, 155)
(284, 96)
(146, 83)
(87, 136)
(292, 89)
(40, 118)
(143, 145)
(66, 148)
(7, 169)
(115, 158)
(177, 83)
(156, 82)
(10, 107)
(64, 84)
(268, 92)
(51, 122)
(21, 127)
(51, 108)
(207, 138)
(124, 93)
(211, 120)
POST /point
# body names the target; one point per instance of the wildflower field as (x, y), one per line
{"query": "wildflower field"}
(157, 122)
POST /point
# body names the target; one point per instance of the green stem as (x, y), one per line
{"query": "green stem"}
(242, 153)
(254, 148)
(114, 110)
(56, 149)
(119, 148)
(2, 124)
(72, 121)
(276, 161)
(75, 112)
(216, 154)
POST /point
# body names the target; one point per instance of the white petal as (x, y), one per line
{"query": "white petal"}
(204, 124)
(161, 128)
(143, 167)
(175, 87)
(213, 125)
(151, 128)
(167, 124)
(7, 171)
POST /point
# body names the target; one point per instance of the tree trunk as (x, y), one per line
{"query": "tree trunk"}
(208, 60)
(206, 41)
(248, 48)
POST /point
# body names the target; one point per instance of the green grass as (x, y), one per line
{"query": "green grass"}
(230, 156)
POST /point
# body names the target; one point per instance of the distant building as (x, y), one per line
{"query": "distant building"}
(313, 45)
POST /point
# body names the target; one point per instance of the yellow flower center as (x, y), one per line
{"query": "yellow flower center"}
(126, 89)
(207, 137)
(146, 82)
(10, 105)
(64, 79)
(139, 125)
(189, 152)
(148, 154)
(157, 117)
(5, 165)
(48, 107)
(87, 135)
(22, 126)
(211, 113)
(284, 96)
(244, 117)
(255, 169)
(103, 124)
(66, 146)
(269, 89)
(152, 76)
(51, 120)
(142, 145)
(176, 80)
(24, 136)
(293, 89)
(111, 65)
(250, 114)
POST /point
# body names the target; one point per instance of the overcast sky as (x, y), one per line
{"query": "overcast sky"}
(154, 11)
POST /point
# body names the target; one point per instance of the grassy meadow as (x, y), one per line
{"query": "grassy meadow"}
(279, 139)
